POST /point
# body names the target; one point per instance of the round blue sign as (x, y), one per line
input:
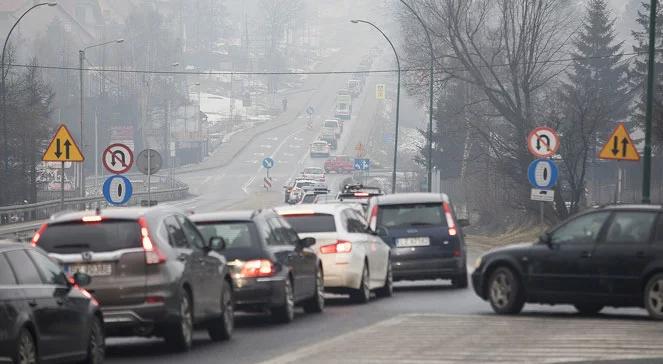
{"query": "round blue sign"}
(542, 173)
(268, 163)
(117, 190)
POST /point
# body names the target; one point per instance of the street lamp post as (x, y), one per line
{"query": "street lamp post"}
(81, 60)
(3, 76)
(646, 170)
(430, 91)
(398, 100)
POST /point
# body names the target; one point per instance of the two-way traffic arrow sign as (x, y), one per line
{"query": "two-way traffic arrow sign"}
(620, 146)
(62, 148)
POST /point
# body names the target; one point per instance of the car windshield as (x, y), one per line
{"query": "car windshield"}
(238, 235)
(104, 236)
(312, 223)
(331, 124)
(424, 214)
(309, 198)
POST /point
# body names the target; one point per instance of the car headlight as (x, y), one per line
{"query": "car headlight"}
(477, 263)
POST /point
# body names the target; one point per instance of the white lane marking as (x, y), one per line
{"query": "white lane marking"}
(273, 138)
(247, 184)
(265, 146)
(206, 180)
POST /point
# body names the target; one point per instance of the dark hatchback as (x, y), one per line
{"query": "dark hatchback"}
(272, 268)
(153, 273)
(425, 237)
(610, 256)
(44, 315)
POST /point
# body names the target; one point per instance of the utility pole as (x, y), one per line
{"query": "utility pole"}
(81, 59)
(646, 168)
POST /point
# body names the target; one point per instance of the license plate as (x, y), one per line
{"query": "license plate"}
(91, 269)
(410, 242)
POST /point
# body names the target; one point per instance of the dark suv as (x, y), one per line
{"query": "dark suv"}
(426, 238)
(45, 315)
(273, 269)
(153, 273)
(610, 256)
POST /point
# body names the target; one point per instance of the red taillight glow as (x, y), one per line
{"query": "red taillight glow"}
(361, 194)
(94, 218)
(450, 219)
(456, 253)
(154, 299)
(152, 254)
(38, 234)
(88, 295)
(341, 246)
(373, 220)
(257, 268)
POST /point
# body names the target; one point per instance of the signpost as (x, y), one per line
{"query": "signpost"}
(619, 147)
(149, 162)
(542, 173)
(118, 158)
(543, 143)
(361, 151)
(362, 164)
(380, 91)
(62, 148)
(117, 190)
(268, 163)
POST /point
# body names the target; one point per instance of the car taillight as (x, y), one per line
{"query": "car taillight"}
(373, 220)
(38, 234)
(341, 246)
(152, 254)
(257, 268)
(93, 218)
(450, 219)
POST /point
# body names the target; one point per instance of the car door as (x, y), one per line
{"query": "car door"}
(368, 245)
(206, 268)
(378, 247)
(73, 310)
(309, 259)
(624, 252)
(41, 300)
(294, 258)
(565, 269)
(12, 305)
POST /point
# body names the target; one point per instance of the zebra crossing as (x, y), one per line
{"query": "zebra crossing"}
(438, 338)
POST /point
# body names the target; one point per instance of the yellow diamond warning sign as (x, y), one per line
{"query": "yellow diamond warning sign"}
(62, 148)
(620, 146)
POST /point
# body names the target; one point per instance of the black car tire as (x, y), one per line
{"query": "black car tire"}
(316, 304)
(505, 292)
(26, 348)
(363, 294)
(221, 328)
(388, 289)
(285, 313)
(460, 281)
(588, 309)
(653, 296)
(96, 348)
(179, 335)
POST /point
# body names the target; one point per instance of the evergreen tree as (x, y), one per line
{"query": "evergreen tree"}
(596, 94)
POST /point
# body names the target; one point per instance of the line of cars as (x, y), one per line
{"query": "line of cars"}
(160, 272)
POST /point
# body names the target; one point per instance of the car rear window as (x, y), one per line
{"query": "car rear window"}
(331, 124)
(104, 236)
(421, 214)
(237, 234)
(312, 223)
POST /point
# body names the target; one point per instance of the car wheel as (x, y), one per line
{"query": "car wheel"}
(588, 309)
(363, 294)
(26, 350)
(285, 313)
(221, 329)
(654, 297)
(316, 304)
(388, 289)
(505, 292)
(460, 281)
(96, 347)
(179, 336)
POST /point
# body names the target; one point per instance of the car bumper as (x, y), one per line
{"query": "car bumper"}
(429, 268)
(477, 284)
(137, 319)
(342, 270)
(258, 293)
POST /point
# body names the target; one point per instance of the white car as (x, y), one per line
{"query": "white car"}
(320, 148)
(354, 260)
(314, 173)
(333, 124)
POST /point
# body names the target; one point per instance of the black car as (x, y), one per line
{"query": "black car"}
(426, 238)
(45, 316)
(154, 274)
(272, 268)
(609, 256)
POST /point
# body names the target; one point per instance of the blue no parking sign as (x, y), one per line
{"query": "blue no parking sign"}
(117, 190)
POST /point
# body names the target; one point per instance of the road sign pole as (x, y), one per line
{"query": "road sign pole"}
(541, 206)
(62, 186)
(646, 170)
(149, 180)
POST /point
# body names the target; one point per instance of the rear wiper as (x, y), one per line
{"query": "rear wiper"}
(64, 246)
(421, 224)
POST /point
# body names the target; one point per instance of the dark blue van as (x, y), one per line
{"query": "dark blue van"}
(425, 237)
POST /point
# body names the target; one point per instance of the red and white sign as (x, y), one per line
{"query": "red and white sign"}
(118, 158)
(543, 142)
(267, 183)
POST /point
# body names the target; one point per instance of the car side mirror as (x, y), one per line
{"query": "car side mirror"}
(82, 279)
(217, 243)
(306, 242)
(463, 222)
(545, 239)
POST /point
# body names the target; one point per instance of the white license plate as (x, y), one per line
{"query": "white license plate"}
(409, 242)
(93, 270)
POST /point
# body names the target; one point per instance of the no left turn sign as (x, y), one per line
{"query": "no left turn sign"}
(543, 142)
(118, 158)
